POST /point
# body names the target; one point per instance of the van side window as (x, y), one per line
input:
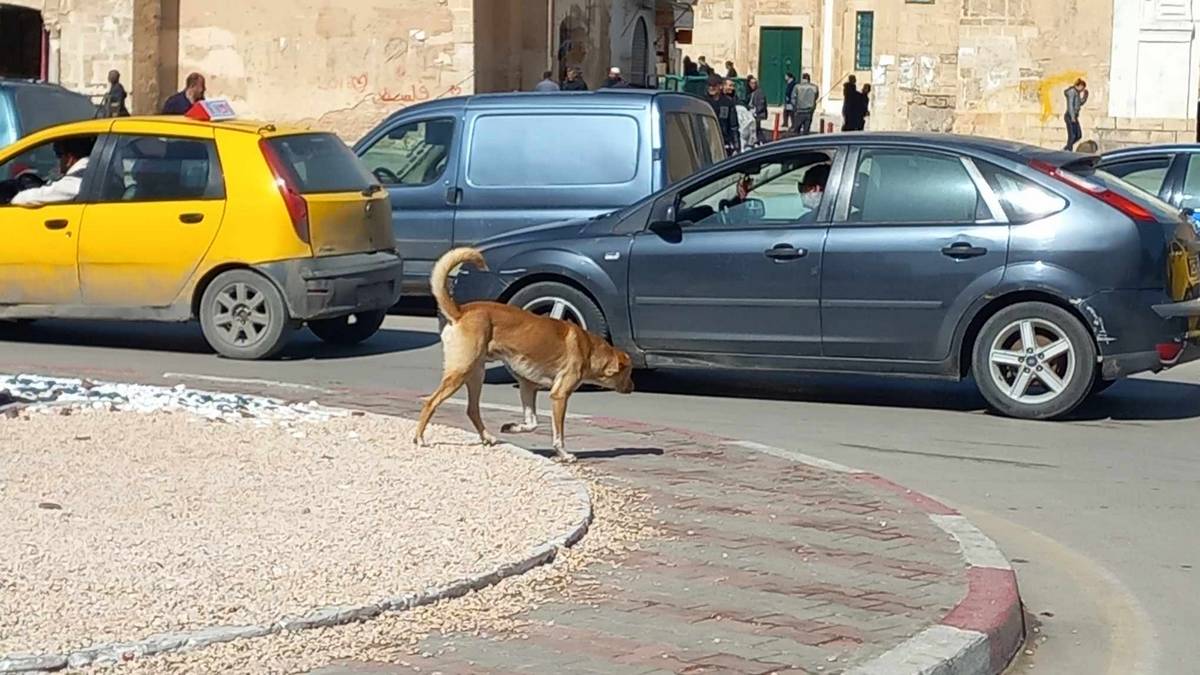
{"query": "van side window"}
(683, 155)
(153, 168)
(412, 154)
(524, 150)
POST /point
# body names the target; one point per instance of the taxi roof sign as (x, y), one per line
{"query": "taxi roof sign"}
(215, 110)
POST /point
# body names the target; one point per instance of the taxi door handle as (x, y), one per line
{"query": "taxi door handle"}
(191, 218)
(57, 224)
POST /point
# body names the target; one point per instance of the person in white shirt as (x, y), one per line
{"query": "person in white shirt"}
(72, 161)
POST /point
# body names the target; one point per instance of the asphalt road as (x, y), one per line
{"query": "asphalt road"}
(1098, 513)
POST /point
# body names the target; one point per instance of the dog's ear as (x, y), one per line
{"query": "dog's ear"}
(617, 362)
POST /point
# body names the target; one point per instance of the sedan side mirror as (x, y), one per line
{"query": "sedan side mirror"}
(669, 230)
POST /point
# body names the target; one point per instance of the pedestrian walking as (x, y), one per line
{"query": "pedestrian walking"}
(865, 104)
(614, 80)
(181, 102)
(689, 67)
(853, 111)
(1077, 96)
(725, 109)
(804, 102)
(574, 81)
(758, 106)
(547, 84)
(113, 103)
(730, 72)
(702, 67)
(789, 108)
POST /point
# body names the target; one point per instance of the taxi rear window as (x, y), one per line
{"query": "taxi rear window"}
(322, 163)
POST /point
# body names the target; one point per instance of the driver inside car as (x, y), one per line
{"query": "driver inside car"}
(812, 189)
(72, 156)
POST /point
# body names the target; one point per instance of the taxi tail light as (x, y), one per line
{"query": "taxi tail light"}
(1119, 202)
(297, 208)
(1169, 352)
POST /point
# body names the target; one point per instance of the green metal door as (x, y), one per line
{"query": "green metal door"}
(778, 54)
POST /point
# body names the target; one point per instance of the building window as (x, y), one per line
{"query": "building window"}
(864, 37)
(919, 2)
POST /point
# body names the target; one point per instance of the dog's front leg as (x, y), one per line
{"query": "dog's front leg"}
(529, 391)
(563, 387)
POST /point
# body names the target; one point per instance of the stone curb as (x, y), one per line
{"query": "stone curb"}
(983, 633)
(110, 654)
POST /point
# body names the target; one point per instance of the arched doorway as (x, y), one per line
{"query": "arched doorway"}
(639, 68)
(572, 45)
(22, 42)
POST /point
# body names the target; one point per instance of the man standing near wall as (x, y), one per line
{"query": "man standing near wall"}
(789, 106)
(1077, 95)
(727, 118)
(181, 102)
(804, 101)
(547, 84)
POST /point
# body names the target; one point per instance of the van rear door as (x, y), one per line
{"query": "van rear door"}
(347, 210)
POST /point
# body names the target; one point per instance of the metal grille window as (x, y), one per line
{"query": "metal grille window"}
(864, 37)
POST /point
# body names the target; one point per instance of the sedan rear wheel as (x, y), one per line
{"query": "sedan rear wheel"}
(1034, 361)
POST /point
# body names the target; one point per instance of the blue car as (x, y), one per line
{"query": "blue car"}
(909, 254)
(1170, 171)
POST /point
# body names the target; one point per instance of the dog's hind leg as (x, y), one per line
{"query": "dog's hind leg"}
(451, 382)
(529, 392)
(474, 392)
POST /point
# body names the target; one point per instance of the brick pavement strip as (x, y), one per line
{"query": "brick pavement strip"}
(773, 561)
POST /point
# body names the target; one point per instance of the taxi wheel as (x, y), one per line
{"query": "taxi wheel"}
(350, 329)
(243, 316)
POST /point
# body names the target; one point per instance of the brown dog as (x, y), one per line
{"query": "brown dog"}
(542, 353)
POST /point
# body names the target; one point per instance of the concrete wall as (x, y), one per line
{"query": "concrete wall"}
(991, 67)
(87, 39)
(314, 62)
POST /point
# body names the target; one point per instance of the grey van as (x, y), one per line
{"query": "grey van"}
(27, 106)
(463, 169)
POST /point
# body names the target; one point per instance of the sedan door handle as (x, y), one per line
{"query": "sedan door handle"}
(780, 252)
(191, 218)
(962, 250)
(57, 224)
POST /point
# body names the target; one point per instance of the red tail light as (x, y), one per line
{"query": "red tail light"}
(1119, 202)
(297, 208)
(1168, 352)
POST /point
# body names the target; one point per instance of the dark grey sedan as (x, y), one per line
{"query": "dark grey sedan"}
(922, 255)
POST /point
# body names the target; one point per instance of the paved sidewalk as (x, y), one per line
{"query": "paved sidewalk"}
(771, 562)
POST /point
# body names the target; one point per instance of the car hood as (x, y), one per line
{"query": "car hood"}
(546, 232)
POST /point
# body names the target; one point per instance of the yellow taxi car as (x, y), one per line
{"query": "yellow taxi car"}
(252, 229)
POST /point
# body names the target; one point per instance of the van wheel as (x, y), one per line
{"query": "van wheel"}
(350, 329)
(560, 301)
(243, 316)
(1034, 361)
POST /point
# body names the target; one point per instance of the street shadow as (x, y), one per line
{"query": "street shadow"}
(613, 453)
(1131, 400)
(187, 338)
(1142, 400)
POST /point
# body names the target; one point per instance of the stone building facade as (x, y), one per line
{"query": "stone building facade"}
(339, 64)
(990, 67)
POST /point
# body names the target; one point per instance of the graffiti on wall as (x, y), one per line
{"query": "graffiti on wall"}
(1052, 85)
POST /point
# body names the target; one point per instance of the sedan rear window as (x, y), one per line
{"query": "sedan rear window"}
(322, 163)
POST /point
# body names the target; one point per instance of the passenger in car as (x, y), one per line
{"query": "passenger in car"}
(72, 156)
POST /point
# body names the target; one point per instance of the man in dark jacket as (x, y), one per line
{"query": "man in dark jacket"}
(181, 102)
(854, 109)
(113, 104)
(789, 109)
(614, 81)
(574, 81)
(727, 118)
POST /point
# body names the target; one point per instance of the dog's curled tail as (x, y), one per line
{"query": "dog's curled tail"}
(439, 280)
